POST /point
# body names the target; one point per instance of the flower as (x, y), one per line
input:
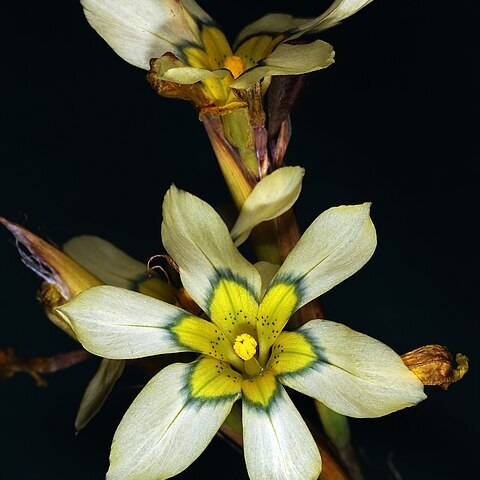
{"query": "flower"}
(85, 261)
(187, 46)
(245, 352)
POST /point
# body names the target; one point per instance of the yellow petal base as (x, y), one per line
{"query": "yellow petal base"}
(211, 379)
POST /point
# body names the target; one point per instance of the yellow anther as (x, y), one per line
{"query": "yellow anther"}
(235, 65)
(245, 346)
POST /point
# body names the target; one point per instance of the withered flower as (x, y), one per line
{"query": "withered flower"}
(434, 365)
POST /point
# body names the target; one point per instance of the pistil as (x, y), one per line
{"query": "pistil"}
(252, 367)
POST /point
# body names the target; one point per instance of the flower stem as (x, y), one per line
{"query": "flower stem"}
(11, 364)
(239, 180)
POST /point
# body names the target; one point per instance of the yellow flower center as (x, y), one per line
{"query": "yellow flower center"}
(235, 65)
(245, 346)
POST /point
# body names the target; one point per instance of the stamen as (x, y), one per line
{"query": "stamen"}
(235, 65)
(245, 346)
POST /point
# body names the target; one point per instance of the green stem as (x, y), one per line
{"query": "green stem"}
(335, 425)
(264, 239)
(238, 132)
(338, 432)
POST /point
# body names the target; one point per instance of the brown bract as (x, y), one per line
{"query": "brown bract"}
(50, 263)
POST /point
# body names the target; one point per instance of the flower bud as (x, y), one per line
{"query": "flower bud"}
(434, 365)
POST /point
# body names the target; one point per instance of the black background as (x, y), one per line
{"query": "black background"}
(87, 147)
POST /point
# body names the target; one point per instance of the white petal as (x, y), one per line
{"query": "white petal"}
(293, 27)
(115, 323)
(271, 23)
(267, 271)
(107, 262)
(271, 197)
(139, 30)
(354, 374)
(114, 267)
(98, 390)
(277, 443)
(338, 11)
(288, 60)
(165, 429)
(197, 12)
(198, 240)
(335, 246)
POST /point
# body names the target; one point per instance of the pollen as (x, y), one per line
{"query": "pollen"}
(235, 65)
(245, 346)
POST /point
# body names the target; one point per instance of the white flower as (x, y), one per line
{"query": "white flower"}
(191, 48)
(244, 351)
